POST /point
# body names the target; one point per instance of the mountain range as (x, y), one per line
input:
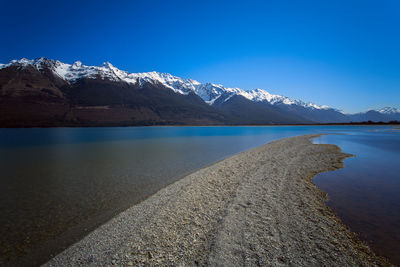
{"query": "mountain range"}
(45, 92)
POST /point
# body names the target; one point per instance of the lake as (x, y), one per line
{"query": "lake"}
(58, 184)
(366, 192)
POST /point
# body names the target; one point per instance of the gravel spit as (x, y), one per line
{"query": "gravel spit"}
(257, 208)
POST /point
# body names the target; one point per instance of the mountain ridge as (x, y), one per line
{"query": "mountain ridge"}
(92, 95)
(77, 70)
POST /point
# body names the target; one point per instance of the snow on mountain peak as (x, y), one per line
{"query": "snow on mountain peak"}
(23, 61)
(77, 65)
(261, 95)
(209, 92)
(107, 65)
(388, 110)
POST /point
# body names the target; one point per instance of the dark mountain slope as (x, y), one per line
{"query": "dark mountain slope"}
(314, 115)
(245, 111)
(148, 103)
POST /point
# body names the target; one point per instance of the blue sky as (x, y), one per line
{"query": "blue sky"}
(345, 54)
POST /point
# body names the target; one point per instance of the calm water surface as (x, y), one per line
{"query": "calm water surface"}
(57, 184)
(366, 192)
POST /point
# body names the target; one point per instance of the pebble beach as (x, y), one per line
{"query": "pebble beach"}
(257, 208)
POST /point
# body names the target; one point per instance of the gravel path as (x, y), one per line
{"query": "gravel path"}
(257, 208)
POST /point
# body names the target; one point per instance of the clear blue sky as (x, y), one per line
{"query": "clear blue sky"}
(345, 54)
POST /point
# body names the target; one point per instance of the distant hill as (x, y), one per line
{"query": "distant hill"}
(44, 92)
(384, 115)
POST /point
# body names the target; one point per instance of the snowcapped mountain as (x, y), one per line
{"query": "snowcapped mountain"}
(77, 71)
(209, 92)
(45, 92)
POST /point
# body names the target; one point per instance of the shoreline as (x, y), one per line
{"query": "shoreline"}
(197, 125)
(258, 207)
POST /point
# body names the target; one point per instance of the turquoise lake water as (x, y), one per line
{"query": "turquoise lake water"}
(58, 184)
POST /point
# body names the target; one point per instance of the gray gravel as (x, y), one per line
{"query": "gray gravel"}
(257, 208)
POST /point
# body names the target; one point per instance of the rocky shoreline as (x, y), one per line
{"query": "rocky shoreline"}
(257, 208)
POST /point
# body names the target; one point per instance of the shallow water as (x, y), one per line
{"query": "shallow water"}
(366, 192)
(57, 184)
